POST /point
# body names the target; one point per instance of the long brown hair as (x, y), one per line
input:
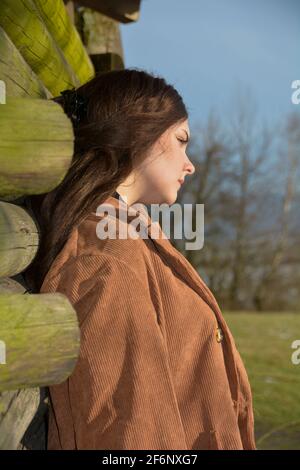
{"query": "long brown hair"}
(127, 111)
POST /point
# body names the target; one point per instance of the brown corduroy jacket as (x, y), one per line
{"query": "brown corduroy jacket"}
(158, 366)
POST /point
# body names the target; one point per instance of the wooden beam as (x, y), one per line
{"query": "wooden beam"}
(102, 39)
(124, 11)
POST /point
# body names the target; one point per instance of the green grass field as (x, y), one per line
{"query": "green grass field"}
(264, 342)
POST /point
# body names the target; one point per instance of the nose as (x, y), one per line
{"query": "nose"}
(189, 167)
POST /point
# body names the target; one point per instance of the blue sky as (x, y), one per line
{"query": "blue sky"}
(209, 48)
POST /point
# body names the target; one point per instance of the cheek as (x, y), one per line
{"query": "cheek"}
(163, 171)
(160, 182)
(163, 174)
(157, 176)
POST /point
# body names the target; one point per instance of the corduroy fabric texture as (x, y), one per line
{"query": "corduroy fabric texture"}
(152, 372)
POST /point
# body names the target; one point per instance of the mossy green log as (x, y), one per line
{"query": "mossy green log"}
(36, 146)
(19, 239)
(19, 78)
(65, 34)
(23, 24)
(41, 337)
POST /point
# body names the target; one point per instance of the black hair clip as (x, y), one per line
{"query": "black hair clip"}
(75, 105)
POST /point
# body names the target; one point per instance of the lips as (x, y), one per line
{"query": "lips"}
(181, 181)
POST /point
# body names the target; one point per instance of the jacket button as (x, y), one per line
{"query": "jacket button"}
(219, 334)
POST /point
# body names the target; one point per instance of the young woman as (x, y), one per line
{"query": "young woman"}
(158, 367)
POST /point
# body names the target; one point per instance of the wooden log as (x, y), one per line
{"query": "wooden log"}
(36, 146)
(70, 8)
(25, 27)
(107, 62)
(101, 34)
(17, 409)
(22, 81)
(3, 92)
(124, 11)
(35, 437)
(57, 20)
(102, 39)
(8, 284)
(19, 239)
(24, 412)
(42, 339)
(19, 78)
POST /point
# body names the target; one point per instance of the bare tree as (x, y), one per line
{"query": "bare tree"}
(250, 256)
(288, 166)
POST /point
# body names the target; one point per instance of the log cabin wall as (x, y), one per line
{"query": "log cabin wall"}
(46, 46)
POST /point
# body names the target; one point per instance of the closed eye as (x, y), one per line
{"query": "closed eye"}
(182, 141)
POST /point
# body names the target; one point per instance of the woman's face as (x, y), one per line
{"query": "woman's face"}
(156, 180)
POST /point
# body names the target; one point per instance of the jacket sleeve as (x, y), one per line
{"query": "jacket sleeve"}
(121, 391)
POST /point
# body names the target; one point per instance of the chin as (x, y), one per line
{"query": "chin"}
(168, 198)
(171, 198)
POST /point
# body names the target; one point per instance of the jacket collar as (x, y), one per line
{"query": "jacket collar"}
(181, 265)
